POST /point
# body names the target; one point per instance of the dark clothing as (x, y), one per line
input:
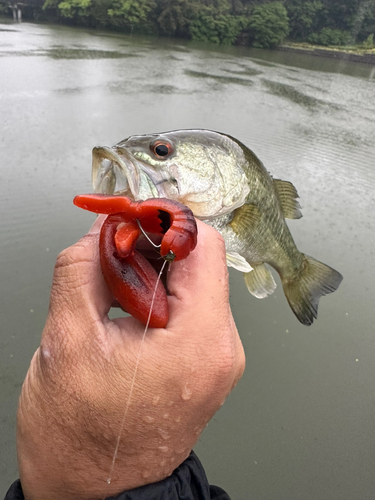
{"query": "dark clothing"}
(188, 482)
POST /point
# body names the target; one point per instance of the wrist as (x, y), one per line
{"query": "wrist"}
(63, 456)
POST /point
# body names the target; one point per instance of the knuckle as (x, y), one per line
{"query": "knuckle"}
(226, 362)
(73, 254)
(72, 268)
(229, 358)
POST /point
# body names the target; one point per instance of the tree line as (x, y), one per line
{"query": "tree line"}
(258, 23)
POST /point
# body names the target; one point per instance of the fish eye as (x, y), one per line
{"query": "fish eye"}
(161, 148)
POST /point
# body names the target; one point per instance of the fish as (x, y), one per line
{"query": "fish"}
(225, 185)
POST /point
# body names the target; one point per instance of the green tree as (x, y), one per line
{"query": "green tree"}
(262, 23)
(131, 13)
(214, 23)
(68, 8)
(237, 7)
(340, 14)
(369, 42)
(268, 25)
(174, 16)
(363, 24)
(303, 17)
(99, 16)
(216, 28)
(74, 8)
(354, 16)
(329, 36)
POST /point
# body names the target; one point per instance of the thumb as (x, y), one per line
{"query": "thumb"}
(199, 284)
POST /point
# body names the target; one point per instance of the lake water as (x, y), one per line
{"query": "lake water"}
(300, 425)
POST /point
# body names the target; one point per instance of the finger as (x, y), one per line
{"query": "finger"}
(203, 336)
(199, 284)
(78, 289)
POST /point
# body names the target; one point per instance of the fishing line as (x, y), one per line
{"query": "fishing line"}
(147, 236)
(134, 377)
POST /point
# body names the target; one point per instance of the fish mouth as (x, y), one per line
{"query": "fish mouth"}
(113, 173)
(116, 171)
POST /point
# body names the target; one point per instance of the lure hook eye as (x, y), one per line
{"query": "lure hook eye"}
(170, 256)
(161, 149)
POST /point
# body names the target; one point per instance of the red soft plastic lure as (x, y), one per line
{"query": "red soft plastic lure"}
(128, 274)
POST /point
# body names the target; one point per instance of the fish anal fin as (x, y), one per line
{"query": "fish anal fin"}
(245, 217)
(303, 293)
(238, 262)
(260, 282)
(287, 196)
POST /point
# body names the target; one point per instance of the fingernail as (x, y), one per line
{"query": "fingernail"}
(96, 227)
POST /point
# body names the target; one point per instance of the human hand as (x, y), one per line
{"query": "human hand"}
(77, 389)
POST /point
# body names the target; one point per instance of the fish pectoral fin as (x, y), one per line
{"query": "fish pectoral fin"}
(245, 217)
(303, 292)
(260, 282)
(287, 196)
(236, 260)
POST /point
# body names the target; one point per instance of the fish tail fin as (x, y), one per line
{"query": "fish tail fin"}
(303, 293)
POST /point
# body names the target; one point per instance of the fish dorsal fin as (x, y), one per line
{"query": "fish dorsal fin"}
(244, 218)
(287, 196)
(236, 260)
(260, 282)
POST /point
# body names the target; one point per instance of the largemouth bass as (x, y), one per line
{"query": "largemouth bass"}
(226, 186)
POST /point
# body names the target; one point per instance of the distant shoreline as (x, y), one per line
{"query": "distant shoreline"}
(346, 55)
(360, 55)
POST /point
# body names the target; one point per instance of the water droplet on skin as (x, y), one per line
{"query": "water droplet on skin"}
(164, 434)
(166, 415)
(148, 419)
(182, 450)
(186, 392)
(155, 400)
(109, 481)
(163, 449)
(46, 353)
(178, 419)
